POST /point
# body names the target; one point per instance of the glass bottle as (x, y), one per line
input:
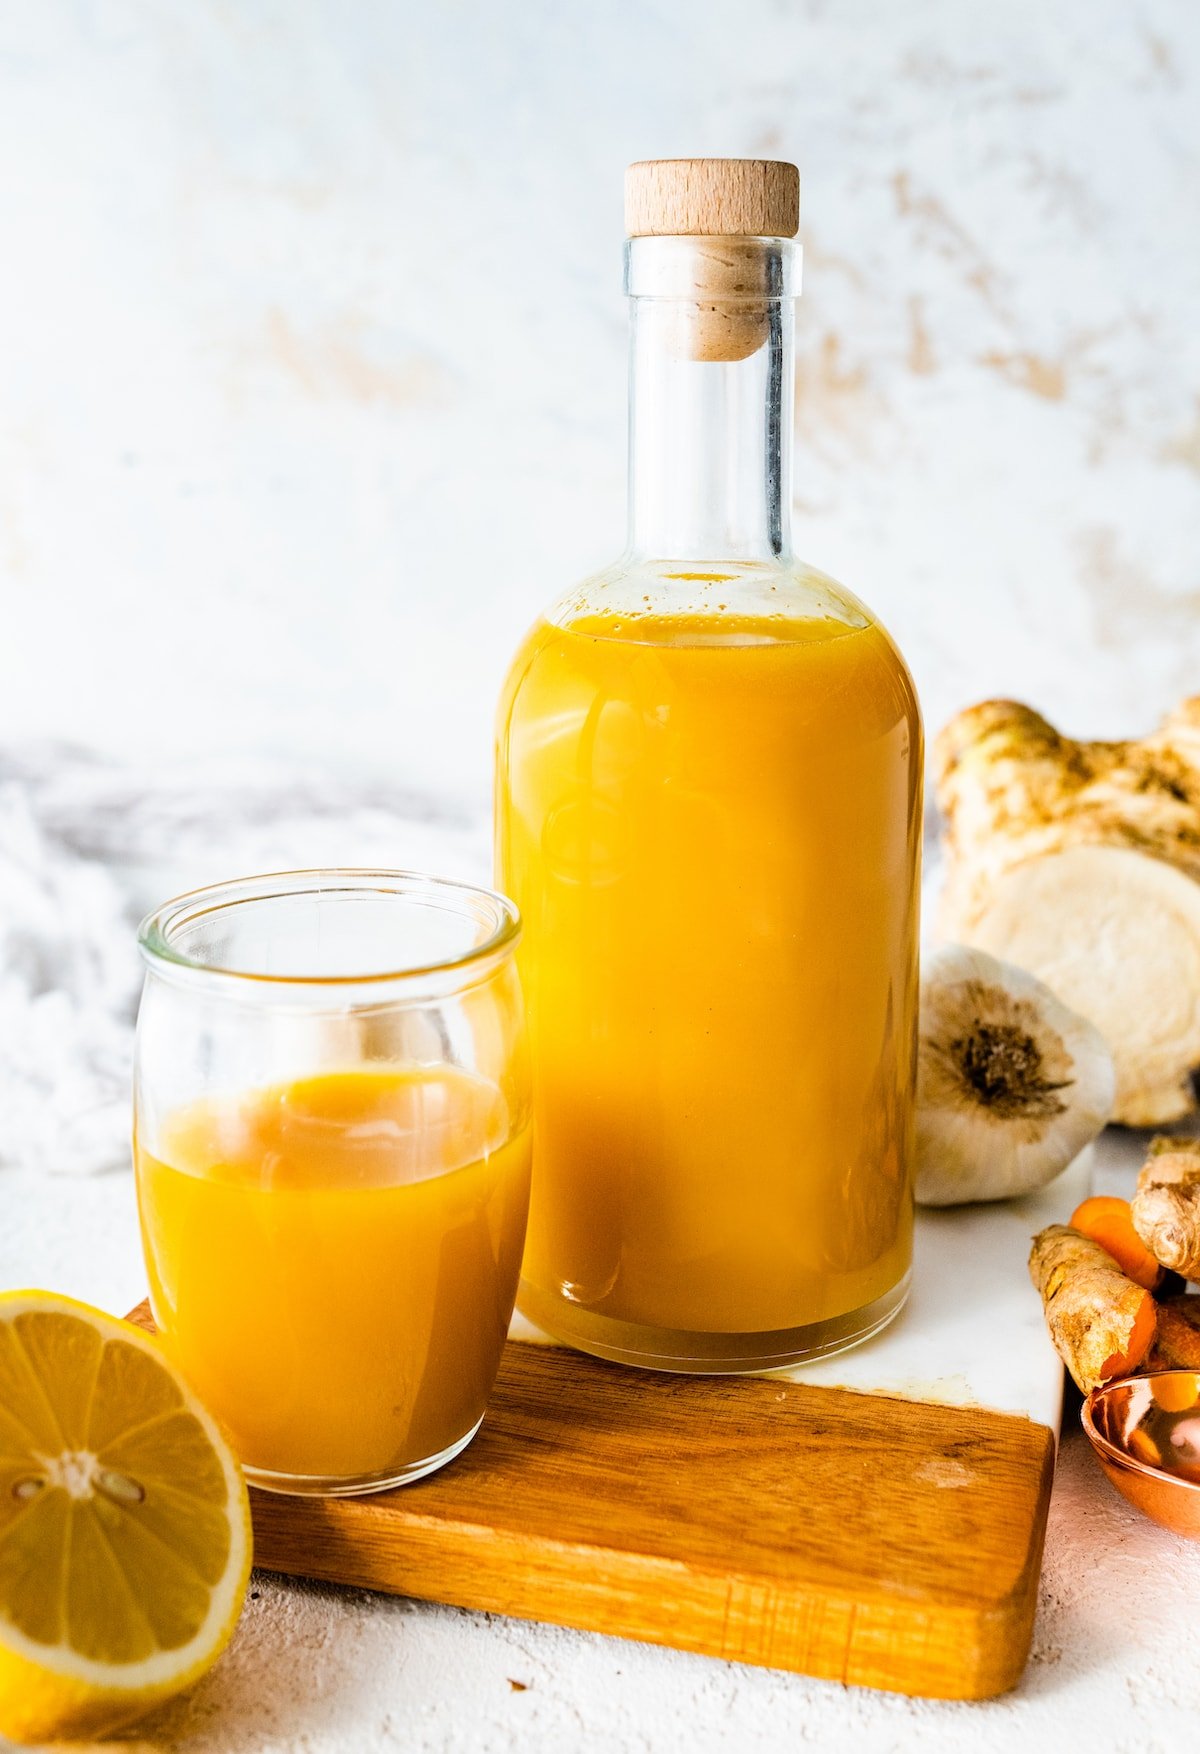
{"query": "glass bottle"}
(709, 775)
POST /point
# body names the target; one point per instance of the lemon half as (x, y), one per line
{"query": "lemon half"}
(124, 1523)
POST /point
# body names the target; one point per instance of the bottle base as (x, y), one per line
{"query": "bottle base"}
(686, 1352)
(356, 1485)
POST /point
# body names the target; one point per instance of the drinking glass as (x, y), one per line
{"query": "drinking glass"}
(331, 1139)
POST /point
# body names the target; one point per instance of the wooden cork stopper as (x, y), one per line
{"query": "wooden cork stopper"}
(728, 205)
(712, 197)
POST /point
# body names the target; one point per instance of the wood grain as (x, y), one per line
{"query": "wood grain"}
(880, 1542)
(712, 197)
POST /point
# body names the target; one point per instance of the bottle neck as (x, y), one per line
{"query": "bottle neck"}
(711, 397)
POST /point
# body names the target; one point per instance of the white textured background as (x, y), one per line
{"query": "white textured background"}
(312, 346)
(312, 392)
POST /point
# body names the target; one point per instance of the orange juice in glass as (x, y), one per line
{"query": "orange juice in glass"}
(332, 1155)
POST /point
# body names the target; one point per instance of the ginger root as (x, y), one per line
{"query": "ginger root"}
(1102, 1323)
(1081, 863)
(1109, 1221)
(1166, 1206)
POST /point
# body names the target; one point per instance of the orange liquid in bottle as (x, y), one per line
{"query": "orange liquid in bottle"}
(333, 1263)
(710, 824)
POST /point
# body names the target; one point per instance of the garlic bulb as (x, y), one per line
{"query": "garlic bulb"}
(1011, 1084)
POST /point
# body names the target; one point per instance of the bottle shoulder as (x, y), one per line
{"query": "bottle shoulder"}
(711, 600)
(664, 632)
(742, 607)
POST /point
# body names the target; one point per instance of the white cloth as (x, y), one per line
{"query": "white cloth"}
(87, 847)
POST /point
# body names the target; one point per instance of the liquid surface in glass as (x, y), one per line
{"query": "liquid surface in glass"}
(333, 1262)
(709, 822)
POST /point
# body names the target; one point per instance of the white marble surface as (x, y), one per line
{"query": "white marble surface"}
(970, 1284)
(312, 393)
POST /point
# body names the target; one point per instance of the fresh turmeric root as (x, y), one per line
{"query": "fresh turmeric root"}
(1101, 1322)
(1109, 1221)
(1177, 1342)
(1166, 1207)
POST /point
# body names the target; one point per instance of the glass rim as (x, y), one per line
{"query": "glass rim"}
(163, 955)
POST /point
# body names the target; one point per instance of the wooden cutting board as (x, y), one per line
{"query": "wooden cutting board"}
(877, 1541)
